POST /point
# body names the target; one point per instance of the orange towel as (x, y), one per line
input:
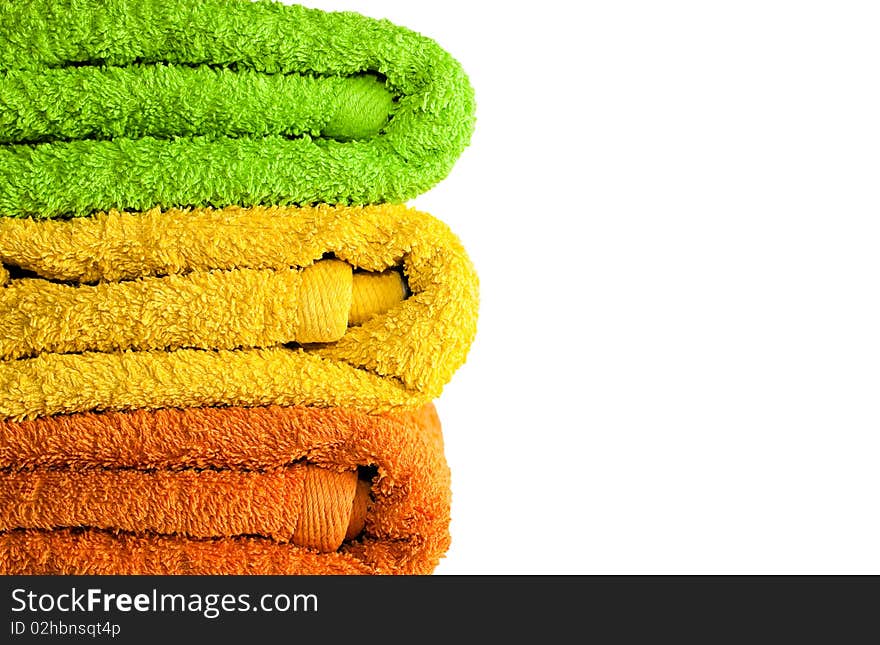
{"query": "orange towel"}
(303, 504)
(299, 461)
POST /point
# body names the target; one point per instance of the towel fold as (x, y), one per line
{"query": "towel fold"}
(164, 101)
(303, 504)
(224, 490)
(166, 270)
(201, 309)
(109, 104)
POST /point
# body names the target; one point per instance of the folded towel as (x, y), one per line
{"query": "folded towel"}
(217, 285)
(270, 490)
(113, 104)
(219, 336)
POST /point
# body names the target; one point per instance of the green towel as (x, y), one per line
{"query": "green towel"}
(123, 104)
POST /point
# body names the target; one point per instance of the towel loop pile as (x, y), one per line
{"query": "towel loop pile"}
(221, 330)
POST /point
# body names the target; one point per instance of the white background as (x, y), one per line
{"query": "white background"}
(673, 208)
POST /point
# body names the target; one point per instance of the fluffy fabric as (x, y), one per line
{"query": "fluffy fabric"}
(166, 101)
(401, 358)
(303, 504)
(407, 516)
(219, 336)
(201, 309)
(135, 169)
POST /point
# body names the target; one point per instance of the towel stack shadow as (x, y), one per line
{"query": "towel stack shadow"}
(221, 329)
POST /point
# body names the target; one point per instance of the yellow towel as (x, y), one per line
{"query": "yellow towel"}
(398, 358)
(202, 309)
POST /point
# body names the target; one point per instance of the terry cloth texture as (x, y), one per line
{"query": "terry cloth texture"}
(200, 309)
(405, 528)
(117, 104)
(392, 360)
(303, 504)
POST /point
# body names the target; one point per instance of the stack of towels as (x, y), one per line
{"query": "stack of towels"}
(220, 329)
